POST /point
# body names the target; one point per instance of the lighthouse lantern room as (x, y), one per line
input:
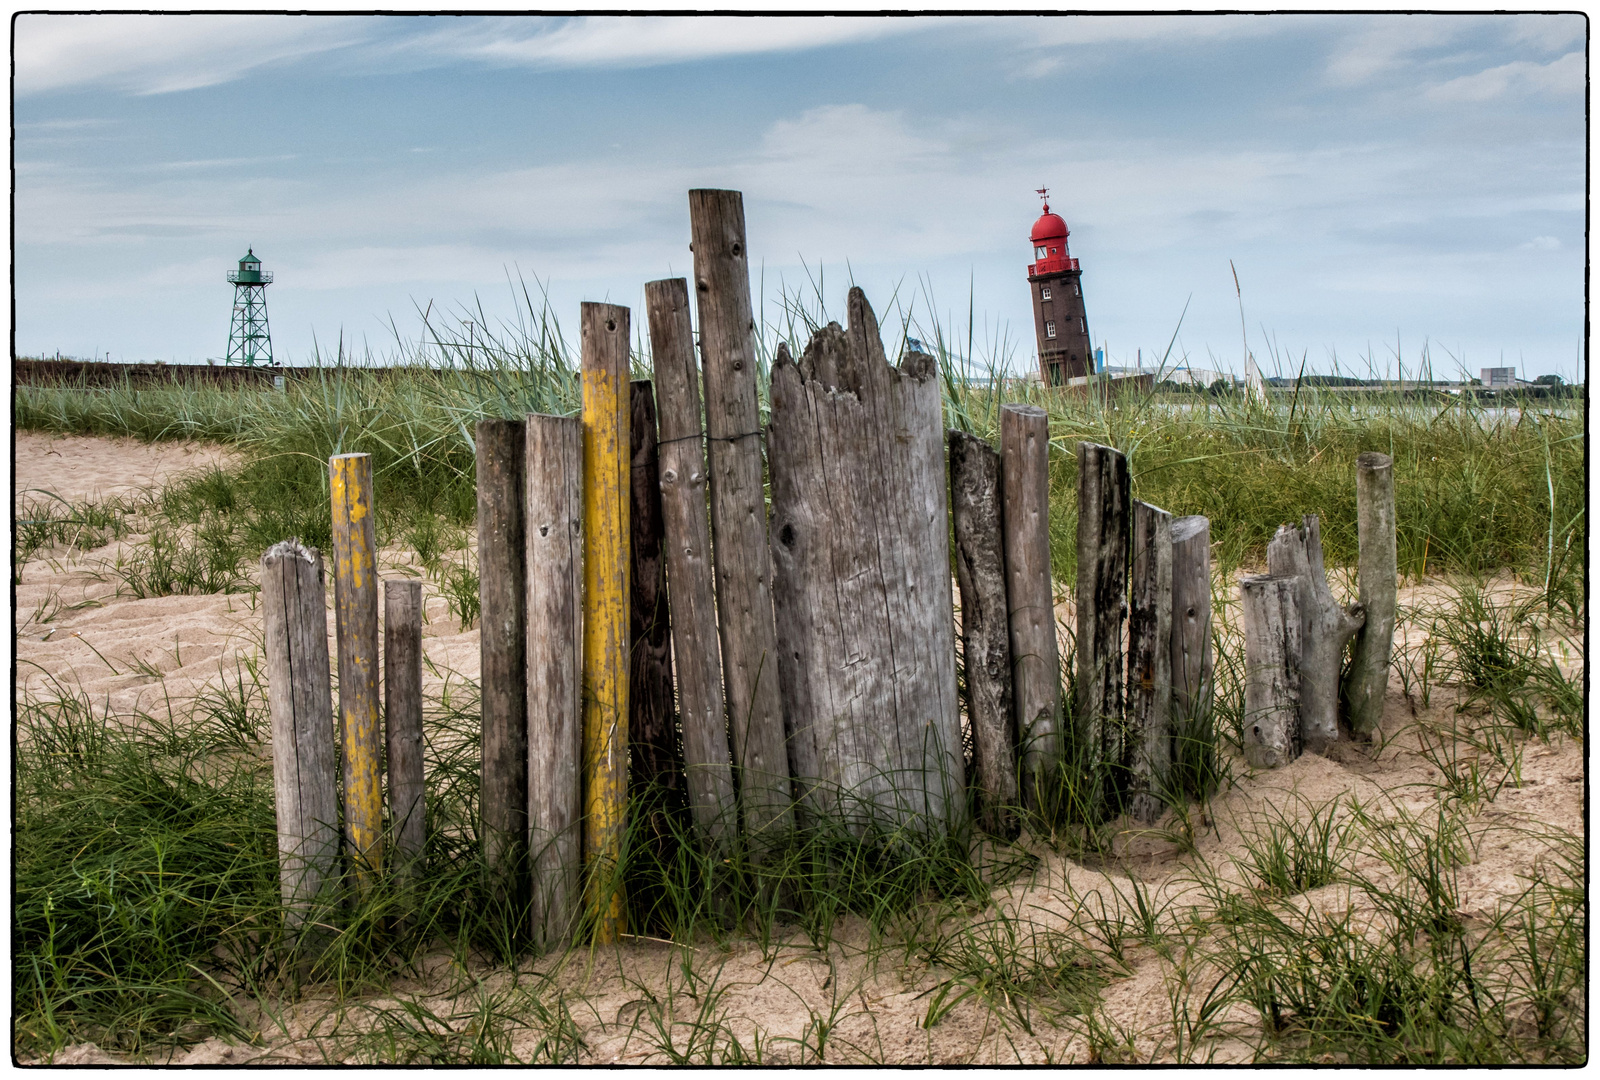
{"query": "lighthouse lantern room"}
(1059, 319)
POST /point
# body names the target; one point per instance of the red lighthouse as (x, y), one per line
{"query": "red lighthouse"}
(1059, 321)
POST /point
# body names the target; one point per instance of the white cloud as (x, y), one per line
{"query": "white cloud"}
(157, 54)
(1386, 42)
(1541, 243)
(1561, 76)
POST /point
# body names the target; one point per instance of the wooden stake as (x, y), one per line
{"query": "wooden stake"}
(1378, 573)
(1191, 629)
(402, 711)
(1325, 627)
(1270, 607)
(554, 564)
(687, 530)
(1030, 596)
(739, 515)
(975, 509)
(1103, 496)
(355, 592)
(606, 460)
(1148, 751)
(300, 700)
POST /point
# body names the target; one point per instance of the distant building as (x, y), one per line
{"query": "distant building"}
(1501, 377)
(1059, 321)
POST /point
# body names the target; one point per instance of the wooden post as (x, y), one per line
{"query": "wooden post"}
(402, 711)
(1103, 497)
(687, 530)
(502, 651)
(1270, 607)
(654, 758)
(975, 509)
(1191, 632)
(1148, 752)
(1378, 573)
(300, 700)
(554, 565)
(1031, 602)
(1325, 627)
(606, 460)
(355, 601)
(739, 515)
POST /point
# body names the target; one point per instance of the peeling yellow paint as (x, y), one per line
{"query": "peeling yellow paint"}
(356, 613)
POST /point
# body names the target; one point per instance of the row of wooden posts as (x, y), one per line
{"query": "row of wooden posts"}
(805, 669)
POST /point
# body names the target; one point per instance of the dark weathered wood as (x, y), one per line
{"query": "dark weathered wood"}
(975, 510)
(1191, 629)
(300, 701)
(1378, 575)
(1103, 498)
(502, 649)
(402, 712)
(355, 592)
(655, 761)
(1270, 610)
(553, 533)
(1030, 593)
(861, 554)
(697, 653)
(1147, 752)
(1325, 628)
(739, 515)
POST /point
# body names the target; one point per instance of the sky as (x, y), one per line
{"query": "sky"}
(1385, 186)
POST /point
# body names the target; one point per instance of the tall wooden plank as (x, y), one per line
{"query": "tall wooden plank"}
(606, 460)
(1030, 595)
(502, 649)
(1377, 571)
(355, 602)
(1102, 591)
(687, 540)
(402, 714)
(975, 512)
(1147, 752)
(742, 558)
(1270, 610)
(553, 531)
(300, 701)
(1191, 635)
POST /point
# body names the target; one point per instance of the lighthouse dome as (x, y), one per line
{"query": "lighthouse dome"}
(1048, 227)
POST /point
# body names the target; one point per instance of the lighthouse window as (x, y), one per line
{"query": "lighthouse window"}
(1082, 329)
(1049, 329)
(1039, 252)
(1044, 292)
(1075, 291)
(1052, 251)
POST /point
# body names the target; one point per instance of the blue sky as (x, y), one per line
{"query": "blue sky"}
(1377, 180)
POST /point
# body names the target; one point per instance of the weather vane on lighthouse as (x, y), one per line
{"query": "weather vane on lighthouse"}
(249, 339)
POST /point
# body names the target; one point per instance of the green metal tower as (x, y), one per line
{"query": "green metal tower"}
(249, 340)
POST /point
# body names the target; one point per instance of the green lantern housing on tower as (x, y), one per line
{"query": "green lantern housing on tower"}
(249, 339)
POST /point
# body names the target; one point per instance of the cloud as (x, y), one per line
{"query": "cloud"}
(1380, 44)
(1541, 243)
(1562, 76)
(159, 54)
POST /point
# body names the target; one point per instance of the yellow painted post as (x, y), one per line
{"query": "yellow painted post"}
(606, 491)
(355, 592)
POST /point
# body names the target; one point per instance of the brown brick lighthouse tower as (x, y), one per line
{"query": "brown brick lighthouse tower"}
(1059, 321)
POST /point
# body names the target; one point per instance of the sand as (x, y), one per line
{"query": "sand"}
(74, 633)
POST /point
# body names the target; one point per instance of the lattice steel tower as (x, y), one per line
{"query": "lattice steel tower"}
(249, 340)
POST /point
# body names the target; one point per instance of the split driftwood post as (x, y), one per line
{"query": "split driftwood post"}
(1377, 572)
(553, 533)
(355, 600)
(1270, 607)
(402, 713)
(1030, 603)
(687, 531)
(502, 653)
(1191, 637)
(739, 515)
(606, 459)
(1148, 753)
(1325, 627)
(975, 512)
(1103, 497)
(654, 761)
(300, 699)
(861, 557)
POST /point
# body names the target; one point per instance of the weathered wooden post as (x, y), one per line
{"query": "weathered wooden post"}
(687, 530)
(1325, 627)
(1377, 573)
(606, 460)
(402, 712)
(1103, 497)
(502, 650)
(1031, 607)
(1270, 607)
(738, 514)
(1148, 753)
(1191, 638)
(975, 510)
(553, 533)
(866, 637)
(654, 759)
(300, 700)
(355, 601)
